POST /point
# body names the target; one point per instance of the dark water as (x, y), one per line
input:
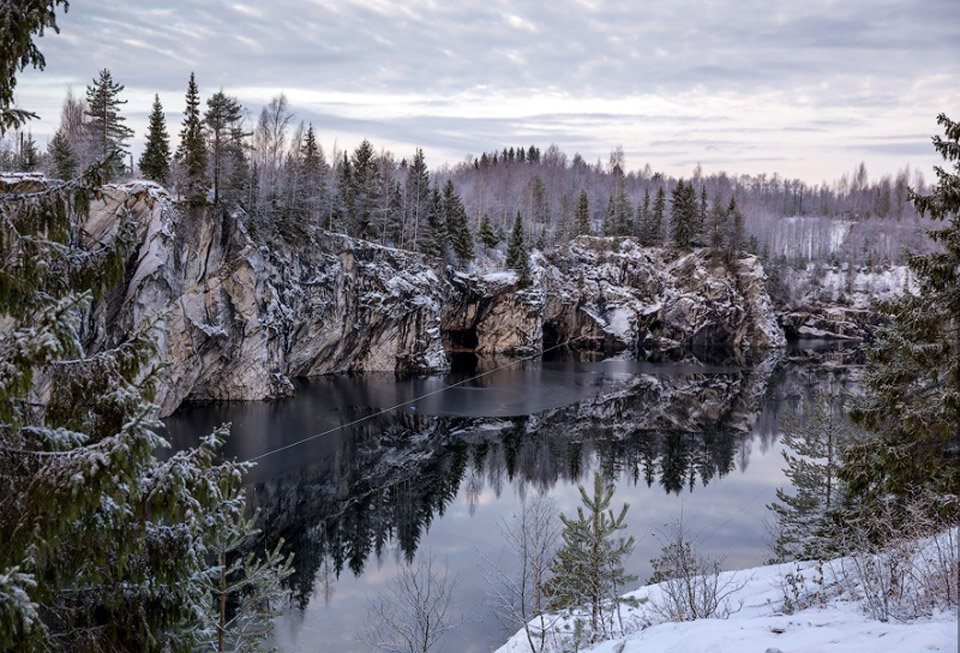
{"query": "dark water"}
(436, 476)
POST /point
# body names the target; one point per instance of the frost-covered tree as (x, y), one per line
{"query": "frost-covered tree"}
(486, 234)
(417, 199)
(63, 158)
(105, 125)
(716, 223)
(912, 405)
(588, 569)
(457, 229)
(155, 160)
(192, 152)
(105, 546)
(651, 233)
(812, 443)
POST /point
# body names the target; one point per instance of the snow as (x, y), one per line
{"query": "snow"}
(505, 277)
(838, 624)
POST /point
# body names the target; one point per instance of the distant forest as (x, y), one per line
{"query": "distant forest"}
(275, 172)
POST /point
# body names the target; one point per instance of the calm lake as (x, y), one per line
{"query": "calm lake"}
(437, 476)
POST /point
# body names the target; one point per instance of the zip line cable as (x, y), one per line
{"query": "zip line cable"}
(408, 402)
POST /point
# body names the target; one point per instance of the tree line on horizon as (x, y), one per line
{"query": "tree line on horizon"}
(277, 171)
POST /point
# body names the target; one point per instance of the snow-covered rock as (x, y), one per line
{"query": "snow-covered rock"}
(238, 320)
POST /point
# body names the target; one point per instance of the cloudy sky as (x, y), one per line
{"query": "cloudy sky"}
(804, 88)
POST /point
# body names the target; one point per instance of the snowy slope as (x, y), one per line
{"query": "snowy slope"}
(760, 625)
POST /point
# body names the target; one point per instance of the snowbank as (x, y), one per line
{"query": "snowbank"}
(838, 624)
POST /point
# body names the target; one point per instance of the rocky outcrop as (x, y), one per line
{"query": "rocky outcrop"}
(826, 322)
(613, 294)
(238, 320)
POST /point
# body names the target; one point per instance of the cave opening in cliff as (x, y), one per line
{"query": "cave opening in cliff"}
(551, 336)
(461, 340)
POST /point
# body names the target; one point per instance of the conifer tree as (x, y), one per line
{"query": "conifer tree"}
(105, 546)
(517, 256)
(418, 198)
(736, 238)
(912, 404)
(28, 159)
(436, 241)
(105, 125)
(583, 214)
(365, 192)
(456, 222)
(588, 569)
(63, 157)
(683, 214)
(487, 235)
(652, 235)
(812, 441)
(643, 215)
(155, 160)
(222, 120)
(716, 223)
(192, 152)
(342, 212)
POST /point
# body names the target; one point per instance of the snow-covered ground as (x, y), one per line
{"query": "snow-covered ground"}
(836, 624)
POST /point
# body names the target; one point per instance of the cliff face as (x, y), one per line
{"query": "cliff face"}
(237, 319)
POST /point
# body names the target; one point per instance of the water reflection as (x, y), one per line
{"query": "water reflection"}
(344, 499)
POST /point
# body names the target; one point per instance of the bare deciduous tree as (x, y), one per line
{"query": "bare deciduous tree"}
(413, 614)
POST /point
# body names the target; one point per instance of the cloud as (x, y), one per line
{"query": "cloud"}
(474, 75)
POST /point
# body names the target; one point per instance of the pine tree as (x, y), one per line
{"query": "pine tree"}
(812, 442)
(155, 160)
(583, 214)
(588, 569)
(222, 120)
(365, 191)
(342, 212)
(28, 158)
(643, 215)
(517, 256)
(192, 152)
(62, 156)
(313, 173)
(107, 132)
(912, 404)
(487, 235)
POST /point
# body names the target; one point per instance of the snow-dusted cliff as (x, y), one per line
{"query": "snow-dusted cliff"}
(238, 318)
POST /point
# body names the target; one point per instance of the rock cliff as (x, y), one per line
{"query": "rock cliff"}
(237, 318)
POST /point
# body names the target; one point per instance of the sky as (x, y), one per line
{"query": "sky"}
(805, 89)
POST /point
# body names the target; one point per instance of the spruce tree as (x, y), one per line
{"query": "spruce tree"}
(583, 214)
(155, 160)
(105, 125)
(28, 158)
(456, 221)
(105, 546)
(365, 191)
(653, 231)
(436, 231)
(588, 569)
(736, 237)
(517, 256)
(643, 215)
(63, 157)
(812, 441)
(487, 235)
(716, 223)
(192, 152)
(221, 119)
(417, 199)
(912, 404)
(683, 213)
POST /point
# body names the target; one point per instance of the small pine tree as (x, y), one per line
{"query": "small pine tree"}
(487, 235)
(155, 160)
(517, 251)
(436, 241)
(716, 223)
(28, 158)
(108, 134)
(583, 214)
(221, 119)
(192, 152)
(737, 232)
(652, 235)
(643, 215)
(812, 444)
(63, 157)
(588, 568)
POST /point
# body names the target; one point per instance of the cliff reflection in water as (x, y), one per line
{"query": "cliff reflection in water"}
(342, 498)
